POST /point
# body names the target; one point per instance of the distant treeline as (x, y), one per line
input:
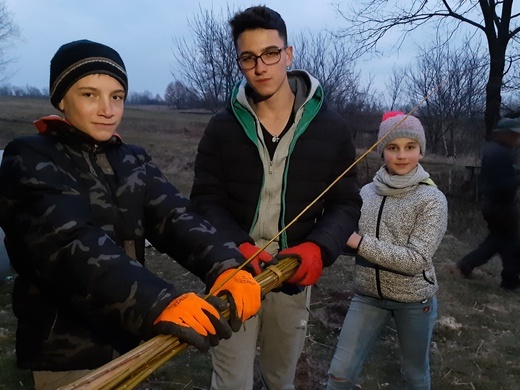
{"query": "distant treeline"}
(134, 98)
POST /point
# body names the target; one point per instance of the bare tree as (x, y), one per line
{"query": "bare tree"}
(459, 74)
(8, 31)
(207, 66)
(331, 62)
(370, 20)
(395, 88)
(178, 96)
(144, 98)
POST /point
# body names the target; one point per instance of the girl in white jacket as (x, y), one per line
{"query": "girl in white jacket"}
(403, 219)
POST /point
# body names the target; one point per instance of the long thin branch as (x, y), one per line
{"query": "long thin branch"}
(130, 369)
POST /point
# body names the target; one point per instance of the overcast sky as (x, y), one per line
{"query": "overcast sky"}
(141, 31)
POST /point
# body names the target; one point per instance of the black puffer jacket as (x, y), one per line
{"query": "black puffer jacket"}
(229, 175)
(69, 208)
(499, 176)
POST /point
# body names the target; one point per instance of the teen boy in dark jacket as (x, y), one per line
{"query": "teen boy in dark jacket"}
(259, 164)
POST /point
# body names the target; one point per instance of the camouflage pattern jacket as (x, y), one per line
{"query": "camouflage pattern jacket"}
(76, 215)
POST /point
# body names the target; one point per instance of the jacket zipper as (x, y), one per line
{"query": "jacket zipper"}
(86, 156)
(378, 225)
(90, 157)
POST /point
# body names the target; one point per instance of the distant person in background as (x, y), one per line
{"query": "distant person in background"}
(76, 205)
(260, 162)
(5, 268)
(403, 220)
(498, 180)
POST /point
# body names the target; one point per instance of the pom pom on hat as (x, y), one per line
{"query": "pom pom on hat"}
(407, 127)
(77, 59)
(390, 114)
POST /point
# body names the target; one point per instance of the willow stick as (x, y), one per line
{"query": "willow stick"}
(322, 194)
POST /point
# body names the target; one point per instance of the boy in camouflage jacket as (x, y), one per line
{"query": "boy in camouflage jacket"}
(76, 204)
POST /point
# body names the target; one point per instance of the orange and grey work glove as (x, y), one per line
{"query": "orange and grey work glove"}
(244, 295)
(194, 320)
(259, 261)
(311, 265)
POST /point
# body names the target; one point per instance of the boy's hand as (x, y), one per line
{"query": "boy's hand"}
(311, 264)
(194, 320)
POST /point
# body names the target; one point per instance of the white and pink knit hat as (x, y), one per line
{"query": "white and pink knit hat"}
(410, 127)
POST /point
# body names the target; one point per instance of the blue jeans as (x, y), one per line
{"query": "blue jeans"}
(363, 323)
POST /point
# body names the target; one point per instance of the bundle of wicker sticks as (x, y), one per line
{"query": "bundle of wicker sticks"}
(130, 369)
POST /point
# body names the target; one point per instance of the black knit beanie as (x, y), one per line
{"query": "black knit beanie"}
(78, 59)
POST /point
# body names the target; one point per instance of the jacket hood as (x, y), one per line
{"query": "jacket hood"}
(303, 85)
(55, 123)
(308, 101)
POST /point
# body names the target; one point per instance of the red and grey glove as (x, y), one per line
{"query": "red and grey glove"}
(244, 295)
(311, 265)
(194, 320)
(262, 257)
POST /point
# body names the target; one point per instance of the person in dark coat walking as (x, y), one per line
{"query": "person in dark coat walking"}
(76, 205)
(498, 182)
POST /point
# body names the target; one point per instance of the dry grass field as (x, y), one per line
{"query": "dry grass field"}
(476, 340)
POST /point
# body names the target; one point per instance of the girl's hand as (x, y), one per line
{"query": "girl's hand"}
(354, 240)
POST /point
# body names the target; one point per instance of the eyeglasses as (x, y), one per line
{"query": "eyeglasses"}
(268, 57)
